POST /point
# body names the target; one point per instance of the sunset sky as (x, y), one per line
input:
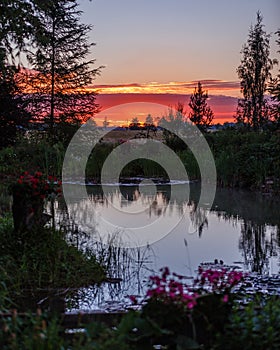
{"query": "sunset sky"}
(155, 51)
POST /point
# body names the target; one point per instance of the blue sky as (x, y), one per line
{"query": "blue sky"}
(173, 40)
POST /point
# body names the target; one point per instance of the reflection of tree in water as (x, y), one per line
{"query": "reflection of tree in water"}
(159, 205)
(258, 245)
(198, 217)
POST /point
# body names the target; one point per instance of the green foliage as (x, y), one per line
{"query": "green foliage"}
(32, 154)
(255, 326)
(190, 164)
(5, 279)
(31, 332)
(246, 159)
(97, 159)
(134, 332)
(173, 321)
(243, 159)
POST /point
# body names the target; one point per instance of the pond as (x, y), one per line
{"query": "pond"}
(241, 228)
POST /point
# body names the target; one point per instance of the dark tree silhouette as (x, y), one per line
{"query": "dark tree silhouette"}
(61, 68)
(13, 115)
(18, 23)
(257, 246)
(254, 73)
(173, 124)
(200, 114)
(149, 119)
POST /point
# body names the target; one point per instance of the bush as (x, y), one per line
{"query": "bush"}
(253, 327)
(30, 332)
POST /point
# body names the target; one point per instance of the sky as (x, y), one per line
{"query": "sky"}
(155, 51)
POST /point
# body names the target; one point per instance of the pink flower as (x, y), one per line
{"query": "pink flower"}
(191, 304)
(225, 298)
(155, 279)
(150, 293)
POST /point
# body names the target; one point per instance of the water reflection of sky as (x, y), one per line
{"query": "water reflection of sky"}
(241, 227)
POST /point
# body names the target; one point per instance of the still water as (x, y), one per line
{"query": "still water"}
(241, 228)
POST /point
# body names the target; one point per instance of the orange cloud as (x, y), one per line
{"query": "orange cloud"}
(214, 87)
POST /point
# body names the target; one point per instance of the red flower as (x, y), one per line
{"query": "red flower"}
(133, 299)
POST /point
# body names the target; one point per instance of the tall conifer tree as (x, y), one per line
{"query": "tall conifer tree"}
(254, 73)
(200, 114)
(274, 89)
(62, 71)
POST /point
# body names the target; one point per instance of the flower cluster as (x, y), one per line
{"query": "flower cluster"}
(35, 186)
(218, 280)
(170, 289)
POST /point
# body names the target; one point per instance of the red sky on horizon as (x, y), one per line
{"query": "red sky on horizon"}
(122, 102)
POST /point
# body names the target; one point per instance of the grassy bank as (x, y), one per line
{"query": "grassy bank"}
(40, 259)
